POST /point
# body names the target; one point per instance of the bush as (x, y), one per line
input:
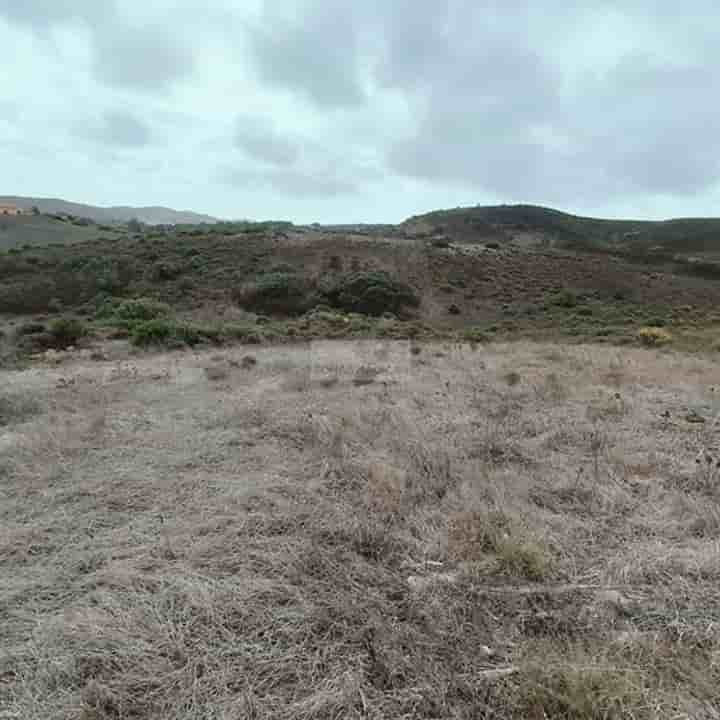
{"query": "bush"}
(30, 328)
(279, 293)
(164, 271)
(136, 310)
(653, 336)
(161, 331)
(152, 332)
(67, 331)
(370, 293)
(566, 299)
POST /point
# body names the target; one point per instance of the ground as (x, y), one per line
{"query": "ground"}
(361, 530)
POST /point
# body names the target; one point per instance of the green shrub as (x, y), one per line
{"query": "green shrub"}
(249, 334)
(67, 331)
(152, 332)
(565, 298)
(162, 331)
(280, 293)
(138, 310)
(369, 293)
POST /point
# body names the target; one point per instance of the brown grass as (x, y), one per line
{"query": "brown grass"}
(439, 543)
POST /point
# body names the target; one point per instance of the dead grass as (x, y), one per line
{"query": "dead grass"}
(439, 543)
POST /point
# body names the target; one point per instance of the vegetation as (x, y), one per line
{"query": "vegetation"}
(654, 336)
(277, 293)
(67, 331)
(369, 293)
(433, 541)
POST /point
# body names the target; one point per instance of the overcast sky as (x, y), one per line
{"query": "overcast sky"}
(372, 110)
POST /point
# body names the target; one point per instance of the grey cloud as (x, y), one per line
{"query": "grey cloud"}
(261, 141)
(140, 57)
(652, 127)
(120, 128)
(485, 113)
(315, 56)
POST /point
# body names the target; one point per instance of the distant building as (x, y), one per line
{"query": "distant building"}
(7, 209)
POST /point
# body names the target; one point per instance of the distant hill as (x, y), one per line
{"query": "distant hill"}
(530, 225)
(149, 215)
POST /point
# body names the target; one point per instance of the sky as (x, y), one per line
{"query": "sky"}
(345, 111)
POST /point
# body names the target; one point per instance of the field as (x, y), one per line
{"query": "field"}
(378, 529)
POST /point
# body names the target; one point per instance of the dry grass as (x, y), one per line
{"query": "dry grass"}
(506, 532)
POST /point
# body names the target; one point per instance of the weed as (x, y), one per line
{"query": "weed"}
(581, 694)
(522, 558)
(653, 336)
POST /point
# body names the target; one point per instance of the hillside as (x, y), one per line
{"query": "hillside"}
(529, 225)
(42, 230)
(148, 215)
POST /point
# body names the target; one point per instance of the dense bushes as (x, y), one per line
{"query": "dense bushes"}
(369, 293)
(278, 293)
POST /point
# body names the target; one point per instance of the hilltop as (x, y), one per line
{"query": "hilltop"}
(149, 215)
(535, 226)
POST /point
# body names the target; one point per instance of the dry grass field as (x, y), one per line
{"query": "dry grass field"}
(372, 530)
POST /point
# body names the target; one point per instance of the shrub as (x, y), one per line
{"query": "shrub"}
(370, 293)
(152, 332)
(163, 271)
(279, 293)
(137, 310)
(161, 331)
(30, 328)
(653, 336)
(565, 298)
(523, 559)
(67, 331)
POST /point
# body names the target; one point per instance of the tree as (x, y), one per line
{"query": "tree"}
(134, 225)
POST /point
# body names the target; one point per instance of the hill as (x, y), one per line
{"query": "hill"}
(530, 225)
(149, 215)
(42, 230)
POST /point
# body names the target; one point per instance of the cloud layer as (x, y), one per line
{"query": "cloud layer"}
(312, 109)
